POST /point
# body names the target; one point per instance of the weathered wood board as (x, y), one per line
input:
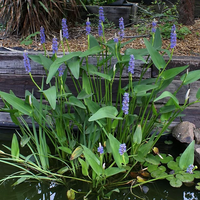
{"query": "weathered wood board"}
(13, 77)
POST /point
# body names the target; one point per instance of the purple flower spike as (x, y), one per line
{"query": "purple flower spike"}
(101, 14)
(131, 66)
(154, 23)
(115, 38)
(88, 28)
(100, 149)
(60, 71)
(173, 28)
(125, 103)
(173, 40)
(26, 62)
(54, 45)
(65, 29)
(100, 29)
(122, 149)
(190, 169)
(42, 35)
(121, 27)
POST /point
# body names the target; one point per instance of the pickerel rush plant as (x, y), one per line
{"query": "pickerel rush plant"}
(96, 129)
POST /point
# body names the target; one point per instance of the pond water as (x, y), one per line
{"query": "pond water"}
(159, 190)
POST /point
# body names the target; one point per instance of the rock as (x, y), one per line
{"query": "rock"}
(197, 136)
(184, 132)
(197, 154)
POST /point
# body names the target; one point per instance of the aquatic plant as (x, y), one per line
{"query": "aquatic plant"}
(98, 131)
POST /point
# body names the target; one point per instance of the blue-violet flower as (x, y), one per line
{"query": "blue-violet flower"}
(125, 103)
(131, 66)
(88, 28)
(100, 149)
(100, 29)
(101, 14)
(173, 28)
(60, 71)
(154, 23)
(54, 45)
(26, 62)
(121, 26)
(65, 29)
(190, 169)
(173, 40)
(122, 149)
(115, 38)
(42, 35)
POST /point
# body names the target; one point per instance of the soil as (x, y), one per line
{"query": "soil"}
(189, 46)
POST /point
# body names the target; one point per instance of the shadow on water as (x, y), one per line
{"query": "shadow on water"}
(159, 190)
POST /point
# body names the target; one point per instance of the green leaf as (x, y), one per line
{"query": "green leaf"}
(46, 62)
(65, 149)
(56, 64)
(93, 161)
(105, 112)
(158, 174)
(157, 59)
(76, 153)
(84, 167)
(20, 180)
(185, 177)
(63, 170)
(50, 94)
(166, 159)
(15, 147)
(187, 157)
(198, 94)
(115, 144)
(91, 51)
(93, 41)
(171, 73)
(83, 95)
(153, 159)
(173, 165)
(157, 40)
(137, 136)
(74, 66)
(24, 140)
(191, 77)
(168, 94)
(105, 76)
(175, 182)
(75, 102)
(17, 103)
(111, 171)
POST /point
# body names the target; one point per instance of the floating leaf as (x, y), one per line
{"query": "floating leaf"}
(185, 177)
(175, 182)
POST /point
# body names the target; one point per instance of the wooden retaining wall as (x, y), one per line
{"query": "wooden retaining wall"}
(13, 77)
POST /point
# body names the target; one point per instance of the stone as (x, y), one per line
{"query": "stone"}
(197, 136)
(184, 132)
(197, 154)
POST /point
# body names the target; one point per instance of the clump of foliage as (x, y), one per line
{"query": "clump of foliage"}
(99, 131)
(165, 14)
(25, 17)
